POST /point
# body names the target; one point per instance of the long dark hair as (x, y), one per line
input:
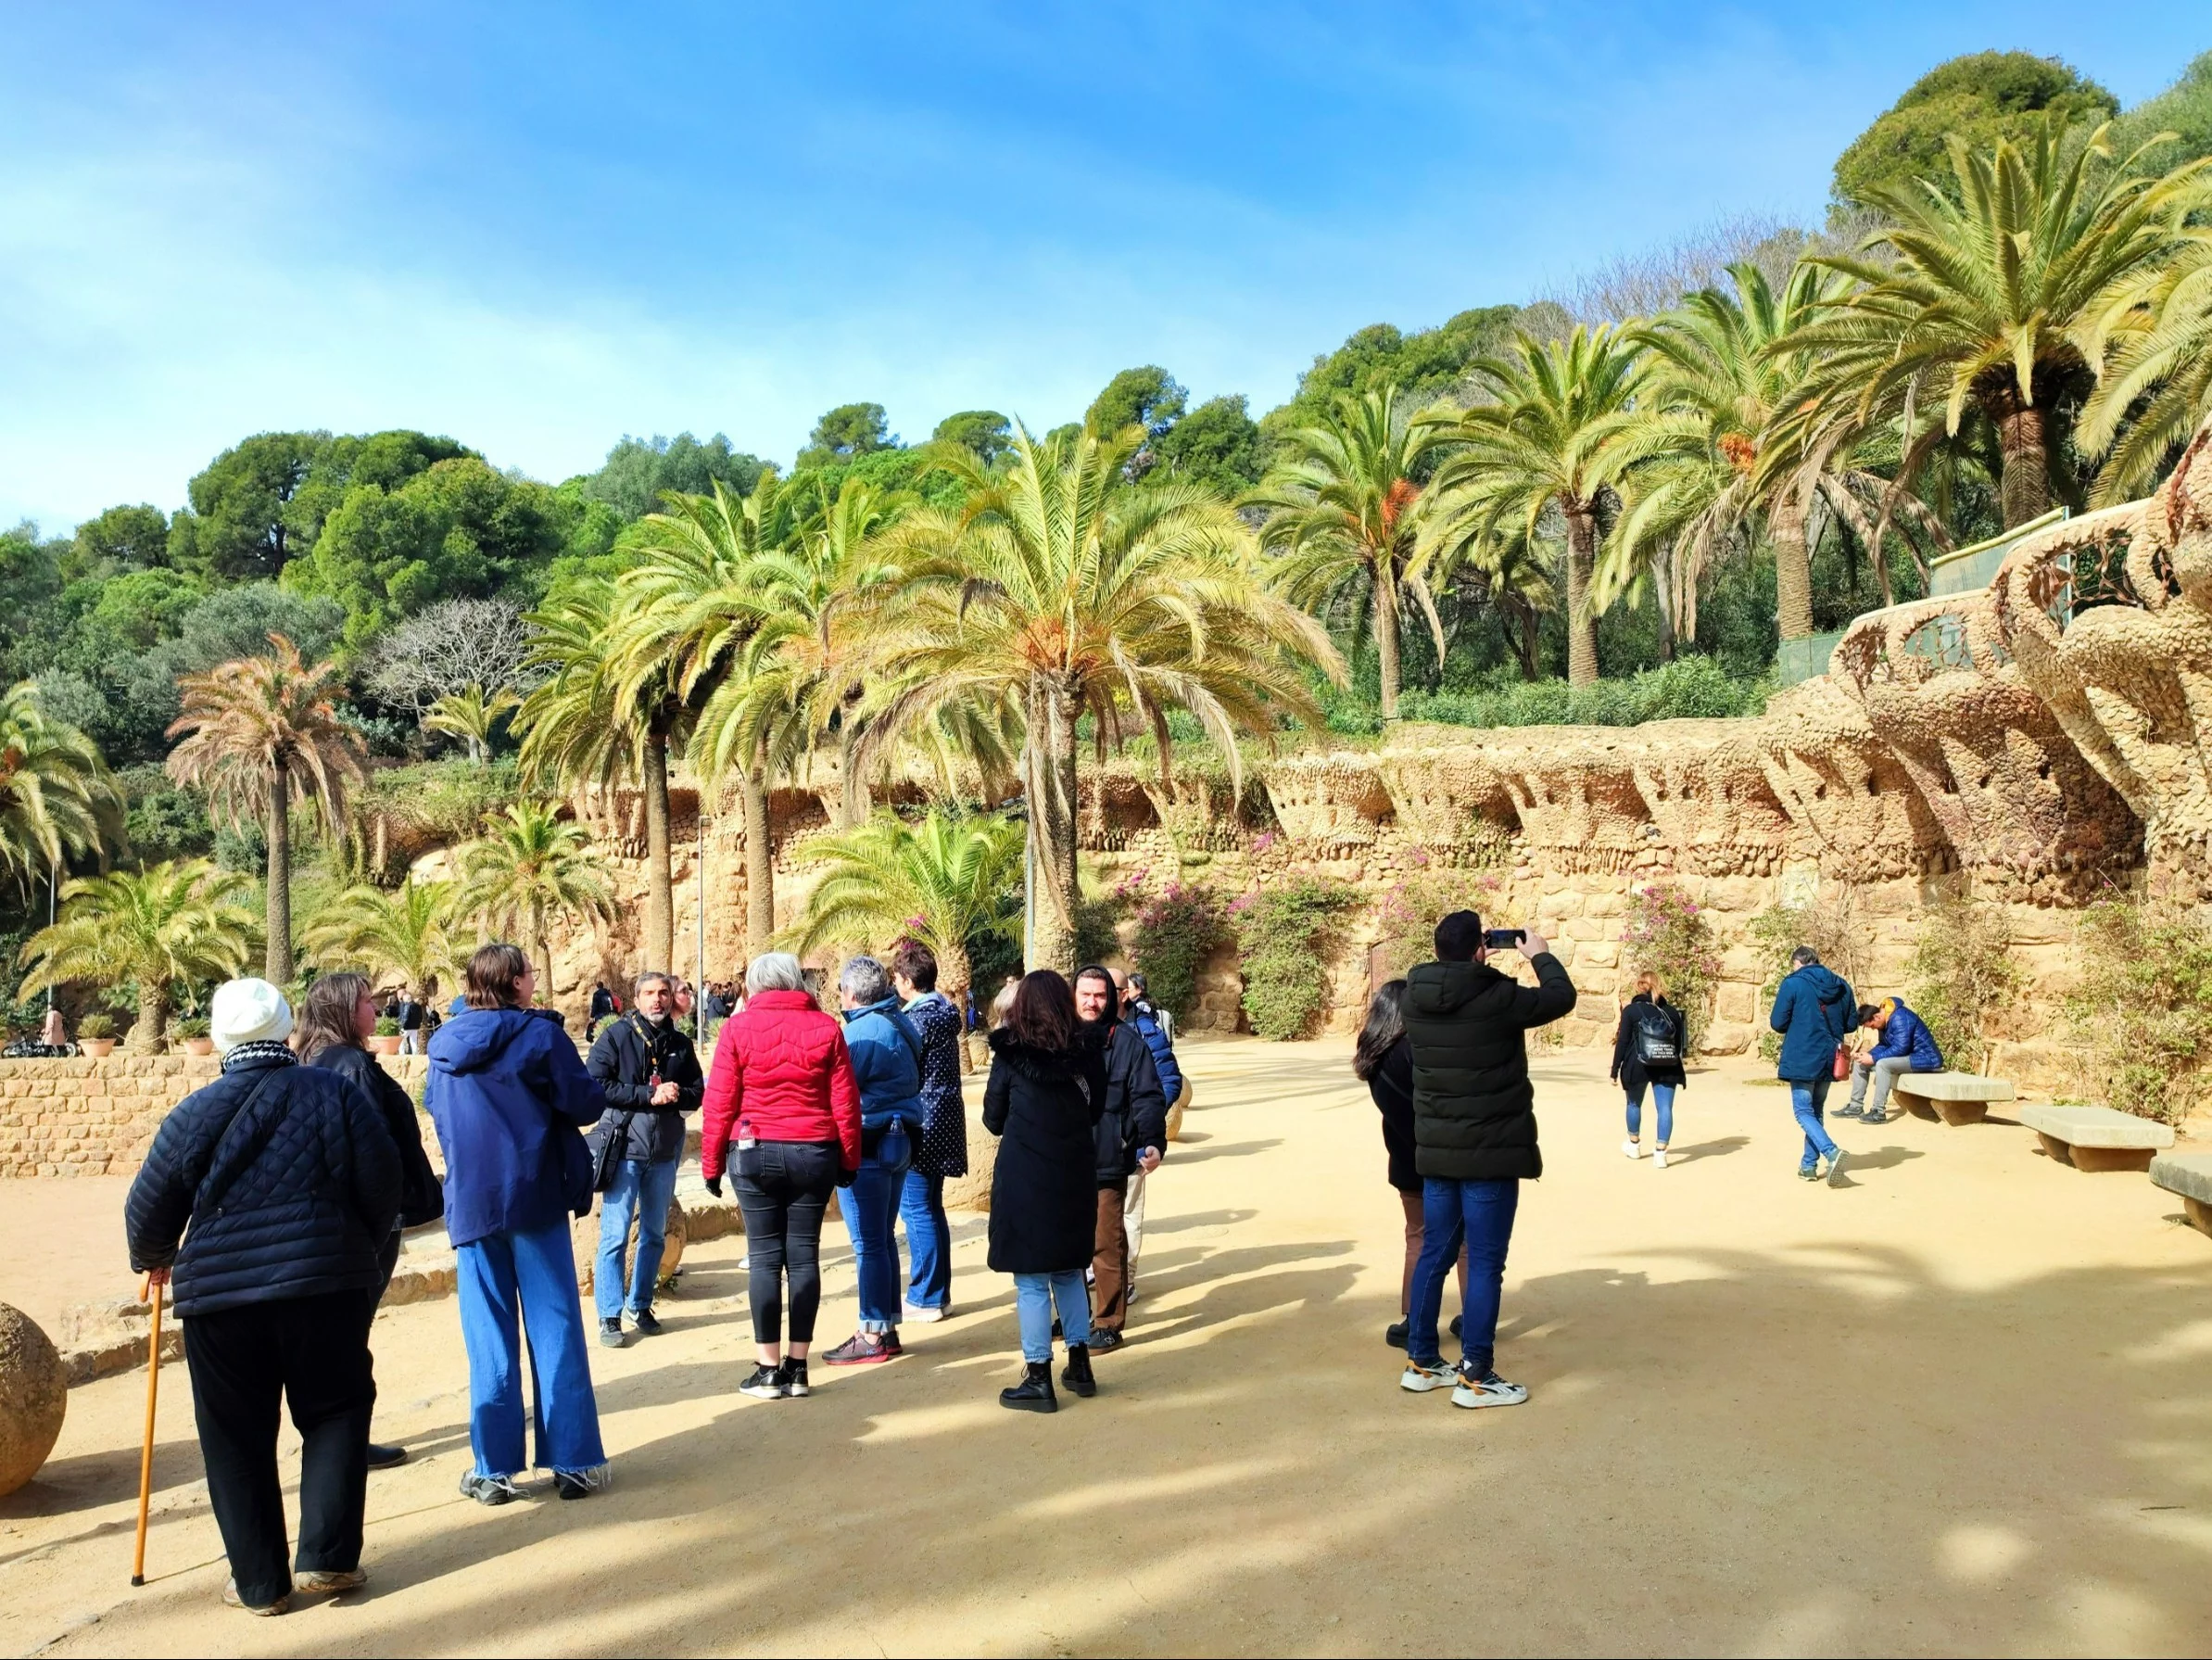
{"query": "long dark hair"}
(1385, 1025)
(327, 1018)
(1043, 1013)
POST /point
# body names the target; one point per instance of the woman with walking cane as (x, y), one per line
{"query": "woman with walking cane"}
(281, 1182)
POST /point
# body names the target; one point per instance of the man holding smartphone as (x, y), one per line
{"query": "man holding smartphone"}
(1475, 1133)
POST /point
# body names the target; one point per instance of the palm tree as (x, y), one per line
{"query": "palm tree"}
(528, 866)
(944, 882)
(2002, 298)
(56, 797)
(253, 728)
(170, 925)
(1553, 440)
(405, 930)
(470, 715)
(1340, 501)
(2158, 385)
(1061, 590)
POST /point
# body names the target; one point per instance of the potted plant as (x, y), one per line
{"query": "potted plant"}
(95, 1035)
(387, 1041)
(191, 1031)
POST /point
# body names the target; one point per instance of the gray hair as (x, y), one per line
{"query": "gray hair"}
(864, 981)
(653, 976)
(774, 972)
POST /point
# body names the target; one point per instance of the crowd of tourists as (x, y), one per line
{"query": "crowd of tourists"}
(272, 1201)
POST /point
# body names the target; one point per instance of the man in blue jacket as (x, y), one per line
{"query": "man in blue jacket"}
(887, 1064)
(1813, 1010)
(1906, 1046)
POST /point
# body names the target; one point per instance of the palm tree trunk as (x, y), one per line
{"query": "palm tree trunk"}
(276, 962)
(660, 884)
(851, 794)
(2025, 492)
(1793, 563)
(1387, 643)
(1052, 824)
(1531, 642)
(1582, 622)
(954, 975)
(152, 1024)
(760, 856)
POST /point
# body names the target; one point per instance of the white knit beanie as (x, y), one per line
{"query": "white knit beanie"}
(248, 1012)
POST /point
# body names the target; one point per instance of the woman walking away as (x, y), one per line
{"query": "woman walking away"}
(511, 1099)
(1647, 1049)
(1046, 1091)
(887, 1064)
(283, 1182)
(1383, 1062)
(781, 1086)
(338, 1013)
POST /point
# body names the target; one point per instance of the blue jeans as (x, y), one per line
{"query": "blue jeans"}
(871, 1208)
(642, 1191)
(1479, 1215)
(535, 1273)
(1034, 1295)
(1807, 1101)
(929, 1241)
(1663, 1097)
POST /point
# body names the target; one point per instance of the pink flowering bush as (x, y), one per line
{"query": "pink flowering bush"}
(1178, 927)
(1667, 935)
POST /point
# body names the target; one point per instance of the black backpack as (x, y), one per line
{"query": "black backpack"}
(1657, 1042)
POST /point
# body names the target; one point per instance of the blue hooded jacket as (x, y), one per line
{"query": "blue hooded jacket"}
(510, 1099)
(1163, 1050)
(887, 1063)
(1813, 1010)
(1906, 1034)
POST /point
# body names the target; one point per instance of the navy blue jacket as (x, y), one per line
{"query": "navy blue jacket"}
(510, 1097)
(887, 1063)
(1163, 1051)
(1906, 1034)
(1814, 1009)
(282, 1180)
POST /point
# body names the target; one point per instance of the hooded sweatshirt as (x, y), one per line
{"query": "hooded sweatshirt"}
(1814, 1009)
(510, 1099)
(1473, 1108)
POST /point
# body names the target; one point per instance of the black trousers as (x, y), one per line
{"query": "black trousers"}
(313, 1351)
(784, 1188)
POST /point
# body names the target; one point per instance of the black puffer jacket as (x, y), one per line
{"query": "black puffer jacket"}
(1136, 1108)
(1045, 1107)
(1391, 1088)
(282, 1180)
(422, 1198)
(1473, 1109)
(624, 1059)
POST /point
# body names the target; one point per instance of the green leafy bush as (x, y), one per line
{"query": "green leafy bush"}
(1830, 925)
(1177, 929)
(2140, 1011)
(1668, 935)
(97, 1025)
(1283, 934)
(1098, 931)
(387, 1026)
(191, 1026)
(1960, 970)
(1688, 687)
(1407, 915)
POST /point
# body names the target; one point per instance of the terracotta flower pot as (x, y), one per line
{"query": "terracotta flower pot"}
(99, 1048)
(199, 1045)
(380, 1044)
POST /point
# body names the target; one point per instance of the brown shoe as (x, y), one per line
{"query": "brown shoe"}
(329, 1581)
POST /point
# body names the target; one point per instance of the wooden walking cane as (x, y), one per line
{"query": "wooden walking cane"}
(145, 1456)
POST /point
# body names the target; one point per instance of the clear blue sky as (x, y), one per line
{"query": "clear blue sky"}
(539, 227)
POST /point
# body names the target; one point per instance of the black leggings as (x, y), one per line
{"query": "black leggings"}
(783, 1187)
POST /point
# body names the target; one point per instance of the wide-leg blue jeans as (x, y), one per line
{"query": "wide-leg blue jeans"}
(1480, 1215)
(512, 1285)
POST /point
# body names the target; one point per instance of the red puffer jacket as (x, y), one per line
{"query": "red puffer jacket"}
(780, 1073)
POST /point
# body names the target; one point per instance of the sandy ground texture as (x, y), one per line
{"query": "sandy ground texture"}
(1959, 1404)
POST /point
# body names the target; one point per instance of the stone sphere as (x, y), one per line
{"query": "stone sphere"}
(34, 1398)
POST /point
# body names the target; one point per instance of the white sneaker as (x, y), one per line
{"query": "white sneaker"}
(918, 1315)
(1632, 1148)
(1421, 1379)
(1659, 1157)
(1492, 1391)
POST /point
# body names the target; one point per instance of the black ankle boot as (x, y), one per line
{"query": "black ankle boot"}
(1034, 1393)
(1078, 1374)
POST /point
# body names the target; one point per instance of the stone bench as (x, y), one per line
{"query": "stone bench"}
(1955, 1098)
(2190, 1177)
(2097, 1138)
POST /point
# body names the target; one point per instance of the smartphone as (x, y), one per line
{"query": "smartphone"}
(1503, 939)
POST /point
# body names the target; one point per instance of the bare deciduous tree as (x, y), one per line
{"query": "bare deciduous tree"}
(449, 645)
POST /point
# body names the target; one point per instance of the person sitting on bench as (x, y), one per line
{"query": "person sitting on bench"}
(1905, 1046)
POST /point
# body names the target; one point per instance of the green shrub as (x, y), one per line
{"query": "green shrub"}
(387, 1026)
(1282, 935)
(1830, 925)
(97, 1025)
(1407, 915)
(1668, 935)
(1177, 931)
(191, 1026)
(1960, 970)
(2140, 1011)
(1097, 936)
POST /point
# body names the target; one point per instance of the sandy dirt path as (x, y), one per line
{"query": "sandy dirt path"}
(1961, 1404)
